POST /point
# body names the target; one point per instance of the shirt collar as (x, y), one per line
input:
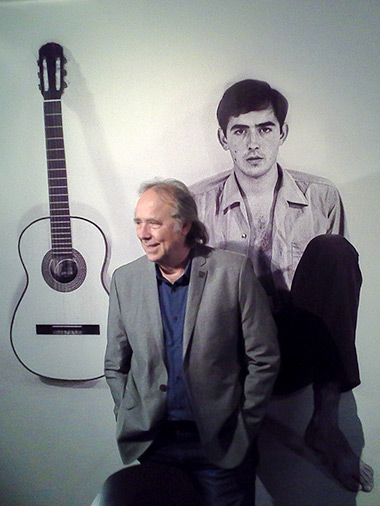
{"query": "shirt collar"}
(231, 196)
(288, 190)
(183, 280)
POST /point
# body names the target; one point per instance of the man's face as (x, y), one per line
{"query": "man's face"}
(253, 140)
(162, 237)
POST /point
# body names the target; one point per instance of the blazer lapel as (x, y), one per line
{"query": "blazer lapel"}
(150, 296)
(197, 282)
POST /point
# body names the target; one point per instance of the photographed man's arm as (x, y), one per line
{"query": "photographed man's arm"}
(336, 214)
(118, 351)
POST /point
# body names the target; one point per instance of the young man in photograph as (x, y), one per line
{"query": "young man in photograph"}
(292, 226)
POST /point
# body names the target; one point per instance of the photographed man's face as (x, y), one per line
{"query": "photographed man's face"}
(160, 234)
(253, 140)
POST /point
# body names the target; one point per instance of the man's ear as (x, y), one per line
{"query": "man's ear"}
(223, 140)
(284, 132)
(186, 226)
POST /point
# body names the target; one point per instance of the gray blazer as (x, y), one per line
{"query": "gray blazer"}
(230, 354)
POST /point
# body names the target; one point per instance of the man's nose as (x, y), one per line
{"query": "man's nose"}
(252, 139)
(143, 231)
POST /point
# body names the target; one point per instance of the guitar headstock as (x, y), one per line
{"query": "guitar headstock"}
(51, 63)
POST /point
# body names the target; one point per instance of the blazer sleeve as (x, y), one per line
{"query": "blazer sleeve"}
(261, 348)
(118, 351)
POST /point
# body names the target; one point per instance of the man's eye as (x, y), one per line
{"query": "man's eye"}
(265, 130)
(239, 131)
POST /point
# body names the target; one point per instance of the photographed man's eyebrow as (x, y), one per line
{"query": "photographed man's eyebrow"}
(239, 126)
(265, 124)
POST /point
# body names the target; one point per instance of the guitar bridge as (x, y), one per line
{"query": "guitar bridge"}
(68, 330)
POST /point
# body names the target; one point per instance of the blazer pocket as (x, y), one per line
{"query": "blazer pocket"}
(129, 400)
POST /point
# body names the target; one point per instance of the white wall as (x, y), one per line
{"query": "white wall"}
(144, 79)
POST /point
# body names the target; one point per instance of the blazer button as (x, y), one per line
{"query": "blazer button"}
(163, 388)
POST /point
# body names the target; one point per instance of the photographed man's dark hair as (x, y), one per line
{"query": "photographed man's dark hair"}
(250, 95)
(185, 208)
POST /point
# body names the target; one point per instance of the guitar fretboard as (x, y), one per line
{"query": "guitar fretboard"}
(60, 226)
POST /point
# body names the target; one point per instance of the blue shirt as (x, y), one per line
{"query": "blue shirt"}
(173, 298)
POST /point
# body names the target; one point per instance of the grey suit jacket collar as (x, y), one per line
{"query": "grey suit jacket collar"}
(198, 276)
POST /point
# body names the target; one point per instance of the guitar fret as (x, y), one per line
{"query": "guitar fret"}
(58, 174)
(54, 142)
(56, 164)
(52, 104)
(57, 150)
(53, 131)
(56, 184)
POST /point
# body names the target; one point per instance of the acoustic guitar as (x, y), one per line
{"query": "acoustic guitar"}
(58, 328)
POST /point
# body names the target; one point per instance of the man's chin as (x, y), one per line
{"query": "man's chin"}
(152, 256)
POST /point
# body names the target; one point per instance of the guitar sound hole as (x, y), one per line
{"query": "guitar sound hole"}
(64, 274)
(64, 271)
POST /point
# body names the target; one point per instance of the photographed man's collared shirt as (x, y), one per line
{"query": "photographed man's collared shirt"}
(173, 298)
(306, 206)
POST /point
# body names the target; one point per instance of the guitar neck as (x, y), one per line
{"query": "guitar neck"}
(60, 225)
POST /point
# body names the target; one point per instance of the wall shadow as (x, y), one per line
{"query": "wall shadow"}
(291, 472)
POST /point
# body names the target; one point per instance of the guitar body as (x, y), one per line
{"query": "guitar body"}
(58, 328)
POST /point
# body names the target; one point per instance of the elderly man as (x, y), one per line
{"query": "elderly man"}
(292, 226)
(192, 354)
